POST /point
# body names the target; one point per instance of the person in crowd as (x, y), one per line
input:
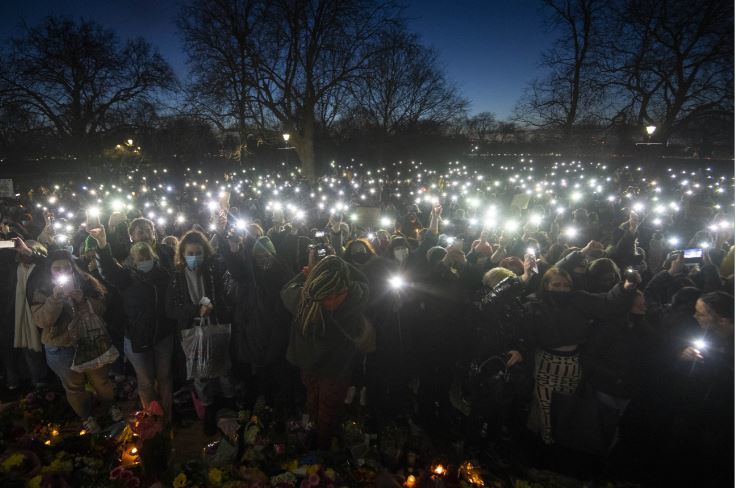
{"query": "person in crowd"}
(260, 321)
(21, 267)
(63, 296)
(328, 306)
(560, 319)
(139, 230)
(195, 293)
(149, 334)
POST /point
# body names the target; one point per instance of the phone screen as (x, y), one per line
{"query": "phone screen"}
(6, 244)
(695, 253)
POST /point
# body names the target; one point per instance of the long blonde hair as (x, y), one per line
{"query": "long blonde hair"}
(329, 277)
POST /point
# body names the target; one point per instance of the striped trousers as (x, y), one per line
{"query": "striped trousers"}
(553, 372)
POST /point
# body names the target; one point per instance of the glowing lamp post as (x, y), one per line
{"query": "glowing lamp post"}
(650, 131)
(286, 139)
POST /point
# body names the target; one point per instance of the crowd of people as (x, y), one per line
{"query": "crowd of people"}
(590, 305)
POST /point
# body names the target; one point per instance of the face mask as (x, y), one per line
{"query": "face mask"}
(561, 298)
(193, 262)
(401, 254)
(361, 258)
(145, 266)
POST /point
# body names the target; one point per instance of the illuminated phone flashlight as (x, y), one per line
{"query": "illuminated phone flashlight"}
(93, 212)
(699, 344)
(117, 205)
(535, 219)
(638, 207)
(673, 241)
(560, 210)
(385, 222)
(212, 205)
(180, 219)
(571, 232)
(657, 221)
(240, 224)
(704, 245)
(450, 241)
(396, 282)
(371, 236)
(354, 217)
(62, 280)
(319, 234)
(57, 225)
(61, 238)
(531, 251)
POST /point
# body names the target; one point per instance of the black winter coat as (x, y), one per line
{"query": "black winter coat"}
(144, 300)
(179, 304)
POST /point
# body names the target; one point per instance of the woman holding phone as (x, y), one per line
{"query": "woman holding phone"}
(63, 295)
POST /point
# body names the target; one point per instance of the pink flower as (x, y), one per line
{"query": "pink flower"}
(50, 396)
(155, 409)
(116, 473)
(314, 479)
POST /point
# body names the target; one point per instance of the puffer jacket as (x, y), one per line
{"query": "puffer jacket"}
(144, 300)
(328, 350)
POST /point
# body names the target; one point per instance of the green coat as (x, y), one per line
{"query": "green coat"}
(329, 351)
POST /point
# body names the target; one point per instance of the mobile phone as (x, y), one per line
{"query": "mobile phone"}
(93, 220)
(692, 256)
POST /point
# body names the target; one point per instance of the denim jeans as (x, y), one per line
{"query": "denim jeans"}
(154, 367)
(60, 360)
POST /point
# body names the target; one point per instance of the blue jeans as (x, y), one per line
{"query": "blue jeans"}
(154, 366)
(60, 360)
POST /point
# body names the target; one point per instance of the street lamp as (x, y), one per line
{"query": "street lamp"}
(650, 130)
(286, 137)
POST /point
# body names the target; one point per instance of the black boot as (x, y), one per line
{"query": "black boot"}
(210, 420)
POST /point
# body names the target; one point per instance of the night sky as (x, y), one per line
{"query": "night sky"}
(490, 48)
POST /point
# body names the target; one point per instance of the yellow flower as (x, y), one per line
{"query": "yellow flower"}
(180, 481)
(292, 465)
(34, 482)
(312, 469)
(12, 461)
(215, 476)
(330, 473)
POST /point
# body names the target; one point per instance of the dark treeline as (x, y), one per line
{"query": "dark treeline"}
(348, 79)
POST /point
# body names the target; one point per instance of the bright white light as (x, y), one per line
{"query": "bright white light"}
(212, 205)
(704, 245)
(576, 196)
(511, 226)
(535, 219)
(650, 129)
(396, 282)
(673, 241)
(117, 205)
(93, 212)
(571, 232)
(286, 137)
(180, 219)
(240, 224)
(385, 222)
(699, 344)
(62, 279)
(638, 206)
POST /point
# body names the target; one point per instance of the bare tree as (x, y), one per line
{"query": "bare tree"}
(290, 58)
(78, 80)
(571, 93)
(672, 62)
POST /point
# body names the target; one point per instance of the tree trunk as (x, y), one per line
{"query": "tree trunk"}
(304, 147)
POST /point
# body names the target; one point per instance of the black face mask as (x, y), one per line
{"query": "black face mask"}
(561, 298)
(361, 257)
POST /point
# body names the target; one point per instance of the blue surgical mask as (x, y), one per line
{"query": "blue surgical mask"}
(193, 262)
(145, 266)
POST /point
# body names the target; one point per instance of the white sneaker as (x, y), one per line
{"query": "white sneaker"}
(91, 426)
(115, 413)
(350, 395)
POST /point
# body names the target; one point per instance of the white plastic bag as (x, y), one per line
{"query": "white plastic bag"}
(207, 349)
